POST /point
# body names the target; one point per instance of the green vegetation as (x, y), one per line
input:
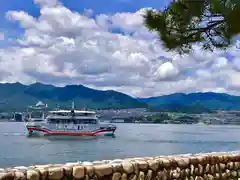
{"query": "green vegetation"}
(212, 23)
(163, 118)
(187, 109)
(160, 118)
(193, 103)
(17, 97)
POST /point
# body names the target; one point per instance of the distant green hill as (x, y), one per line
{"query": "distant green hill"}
(208, 100)
(17, 96)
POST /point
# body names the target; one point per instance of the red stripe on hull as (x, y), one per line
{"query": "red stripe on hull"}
(54, 133)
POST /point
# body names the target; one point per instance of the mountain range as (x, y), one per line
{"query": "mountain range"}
(210, 100)
(18, 96)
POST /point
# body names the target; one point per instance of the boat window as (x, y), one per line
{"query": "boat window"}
(84, 121)
(94, 121)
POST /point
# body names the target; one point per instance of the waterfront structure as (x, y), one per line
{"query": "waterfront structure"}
(209, 166)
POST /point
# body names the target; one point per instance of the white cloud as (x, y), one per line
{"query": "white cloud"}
(109, 52)
(166, 70)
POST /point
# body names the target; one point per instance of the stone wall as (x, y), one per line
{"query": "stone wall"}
(187, 167)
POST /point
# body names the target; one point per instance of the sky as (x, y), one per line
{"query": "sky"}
(104, 45)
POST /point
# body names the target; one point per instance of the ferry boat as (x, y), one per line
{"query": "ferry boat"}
(70, 123)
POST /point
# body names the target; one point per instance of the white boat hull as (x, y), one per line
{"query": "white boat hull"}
(45, 129)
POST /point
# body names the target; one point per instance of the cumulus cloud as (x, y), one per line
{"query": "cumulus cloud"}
(109, 51)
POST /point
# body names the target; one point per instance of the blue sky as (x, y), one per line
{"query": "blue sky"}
(111, 49)
(11, 29)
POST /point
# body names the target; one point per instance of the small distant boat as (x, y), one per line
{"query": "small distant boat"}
(70, 123)
(201, 123)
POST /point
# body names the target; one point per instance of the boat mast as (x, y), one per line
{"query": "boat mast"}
(73, 106)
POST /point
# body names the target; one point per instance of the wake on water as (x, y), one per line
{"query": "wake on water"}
(15, 134)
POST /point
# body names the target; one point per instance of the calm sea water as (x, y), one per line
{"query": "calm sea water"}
(132, 140)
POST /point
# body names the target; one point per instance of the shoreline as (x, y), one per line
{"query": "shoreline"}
(215, 165)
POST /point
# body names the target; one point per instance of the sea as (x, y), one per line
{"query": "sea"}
(131, 140)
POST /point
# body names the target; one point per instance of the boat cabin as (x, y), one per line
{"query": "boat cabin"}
(71, 117)
(71, 113)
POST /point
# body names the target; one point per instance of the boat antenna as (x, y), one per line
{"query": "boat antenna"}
(73, 107)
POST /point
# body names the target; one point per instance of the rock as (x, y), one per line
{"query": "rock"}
(124, 176)
(143, 165)
(132, 177)
(72, 164)
(32, 175)
(55, 173)
(225, 159)
(210, 177)
(198, 178)
(43, 172)
(183, 162)
(68, 170)
(200, 169)
(86, 177)
(228, 172)
(149, 175)
(135, 167)
(192, 169)
(212, 169)
(162, 175)
(176, 173)
(116, 176)
(19, 175)
(224, 176)
(89, 170)
(127, 167)
(207, 168)
(234, 173)
(222, 166)
(7, 176)
(103, 170)
(87, 163)
(196, 171)
(117, 167)
(201, 159)
(153, 164)
(193, 160)
(217, 167)
(118, 161)
(230, 165)
(97, 162)
(94, 177)
(166, 163)
(141, 176)
(217, 176)
(187, 172)
(236, 165)
(78, 172)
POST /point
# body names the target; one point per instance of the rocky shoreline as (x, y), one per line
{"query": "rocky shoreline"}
(208, 166)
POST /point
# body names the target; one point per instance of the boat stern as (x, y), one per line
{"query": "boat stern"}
(35, 129)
